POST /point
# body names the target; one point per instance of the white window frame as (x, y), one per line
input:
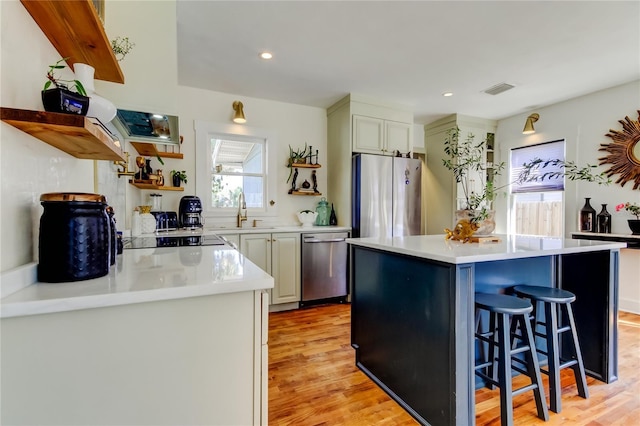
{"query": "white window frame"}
(205, 132)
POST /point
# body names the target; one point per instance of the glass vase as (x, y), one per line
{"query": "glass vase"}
(587, 218)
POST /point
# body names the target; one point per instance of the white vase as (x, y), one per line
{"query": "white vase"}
(99, 107)
(84, 74)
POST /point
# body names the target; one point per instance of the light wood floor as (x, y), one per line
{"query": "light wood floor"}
(313, 380)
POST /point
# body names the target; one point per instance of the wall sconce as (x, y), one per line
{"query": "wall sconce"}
(528, 125)
(238, 116)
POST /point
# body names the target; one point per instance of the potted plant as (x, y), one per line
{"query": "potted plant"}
(121, 47)
(296, 157)
(634, 209)
(61, 98)
(177, 177)
(466, 159)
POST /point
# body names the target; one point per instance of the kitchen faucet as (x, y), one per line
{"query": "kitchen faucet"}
(241, 205)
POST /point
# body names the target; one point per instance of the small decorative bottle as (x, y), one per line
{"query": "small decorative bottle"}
(160, 180)
(587, 220)
(604, 221)
(333, 219)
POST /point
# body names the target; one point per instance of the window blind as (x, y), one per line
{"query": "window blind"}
(545, 151)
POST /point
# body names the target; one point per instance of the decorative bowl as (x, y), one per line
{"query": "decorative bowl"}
(307, 217)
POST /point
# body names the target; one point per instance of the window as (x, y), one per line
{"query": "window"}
(228, 164)
(237, 166)
(537, 208)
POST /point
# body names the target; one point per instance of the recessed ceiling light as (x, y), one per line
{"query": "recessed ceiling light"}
(266, 55)
(447, 94)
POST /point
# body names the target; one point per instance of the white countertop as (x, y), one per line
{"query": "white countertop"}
(435, 247)
(140, 275)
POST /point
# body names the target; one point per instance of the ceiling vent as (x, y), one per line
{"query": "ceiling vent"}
(498, 88)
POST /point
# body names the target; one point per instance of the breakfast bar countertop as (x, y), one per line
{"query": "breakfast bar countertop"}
(436, 247)
(141, 275)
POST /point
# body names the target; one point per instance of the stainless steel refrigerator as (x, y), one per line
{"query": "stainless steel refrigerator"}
(385, 196)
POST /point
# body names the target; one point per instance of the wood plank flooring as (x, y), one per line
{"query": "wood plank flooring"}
(313, 380)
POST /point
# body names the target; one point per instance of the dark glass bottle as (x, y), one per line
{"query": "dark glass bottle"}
(604, 221)
(587, 220)
(333, 219)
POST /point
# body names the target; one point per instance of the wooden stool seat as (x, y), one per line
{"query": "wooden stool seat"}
(556, 302)
(497, 368)
(544, 294)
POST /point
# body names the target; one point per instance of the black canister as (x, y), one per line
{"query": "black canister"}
(75, 241)
(113, 236)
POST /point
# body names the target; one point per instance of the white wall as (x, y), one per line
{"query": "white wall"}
(583, 123)
(29, 167)
(293, 125)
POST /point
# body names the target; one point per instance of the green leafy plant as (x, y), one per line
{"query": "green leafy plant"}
(466, 159)
(181, 174)
(297, 157)
(534, 172)
(60, 83)
(121, 47)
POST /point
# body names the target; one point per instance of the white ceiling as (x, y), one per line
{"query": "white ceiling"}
(410, 52)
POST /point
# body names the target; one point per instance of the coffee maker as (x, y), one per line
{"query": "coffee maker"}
(190, 212)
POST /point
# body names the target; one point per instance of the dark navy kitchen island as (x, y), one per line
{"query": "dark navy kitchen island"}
(413, 311)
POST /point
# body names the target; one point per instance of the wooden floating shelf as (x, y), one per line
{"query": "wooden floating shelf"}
(152, 186)
(306, 166)
(74, 134)
(150, 150)
(305, 193)
(75, 30)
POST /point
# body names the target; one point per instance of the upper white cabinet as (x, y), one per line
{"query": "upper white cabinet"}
(377, 136)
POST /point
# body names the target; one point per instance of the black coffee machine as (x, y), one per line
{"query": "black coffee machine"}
(190, 212)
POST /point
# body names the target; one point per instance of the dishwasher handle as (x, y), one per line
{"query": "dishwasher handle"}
(328, 240)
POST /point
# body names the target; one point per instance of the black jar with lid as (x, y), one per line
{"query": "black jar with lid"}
(75, 240)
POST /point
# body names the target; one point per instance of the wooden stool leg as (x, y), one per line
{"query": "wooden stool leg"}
(504, 371)
(555, 392)
(533, 367)
(492, 370)
(578, 368)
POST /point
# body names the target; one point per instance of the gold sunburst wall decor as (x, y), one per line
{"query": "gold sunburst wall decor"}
(623, 152)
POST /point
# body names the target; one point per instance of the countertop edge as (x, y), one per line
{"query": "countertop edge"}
(586, 246)
(68, 304)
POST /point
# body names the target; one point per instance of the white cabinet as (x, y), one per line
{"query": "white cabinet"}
(377, 136)
(195, 360)
(279, 255)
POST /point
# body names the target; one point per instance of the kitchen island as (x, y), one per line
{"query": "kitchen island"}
(413, 310)
(174, 335)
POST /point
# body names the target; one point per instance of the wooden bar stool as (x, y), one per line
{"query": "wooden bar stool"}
(556, 301)
(502, 310)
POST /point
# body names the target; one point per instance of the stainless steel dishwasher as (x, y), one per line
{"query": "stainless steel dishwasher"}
(324, 267)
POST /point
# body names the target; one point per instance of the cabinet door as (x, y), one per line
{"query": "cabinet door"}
(257, 247)
(398, 137)
(368, 134)
(286, 267)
